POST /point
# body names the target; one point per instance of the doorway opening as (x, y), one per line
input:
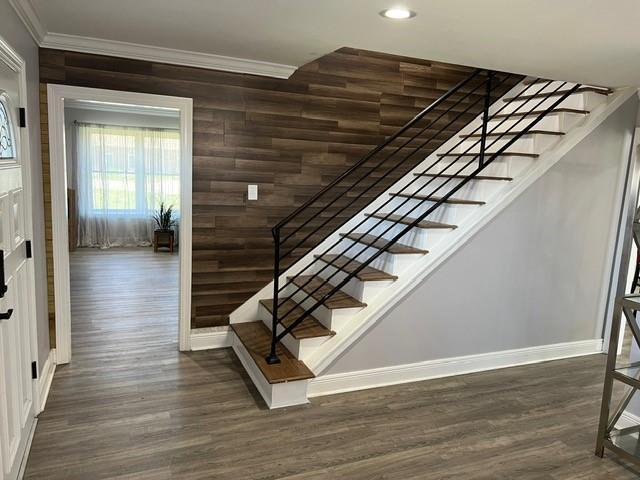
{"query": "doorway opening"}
(121, 209)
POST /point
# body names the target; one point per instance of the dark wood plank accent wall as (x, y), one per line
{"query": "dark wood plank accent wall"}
(288, 136)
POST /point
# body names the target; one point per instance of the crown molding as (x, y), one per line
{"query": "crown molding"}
(30, 18)
(136, 51)
(9, 56)
(172, 56)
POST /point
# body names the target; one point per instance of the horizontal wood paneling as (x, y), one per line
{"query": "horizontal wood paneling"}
(290, 137)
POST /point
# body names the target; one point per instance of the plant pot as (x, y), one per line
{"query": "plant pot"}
(163, 239)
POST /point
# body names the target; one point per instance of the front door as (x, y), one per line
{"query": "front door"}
(16, 286)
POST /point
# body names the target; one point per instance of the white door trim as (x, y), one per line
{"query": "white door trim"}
(56, 96)
(16, 63)
(11, 58)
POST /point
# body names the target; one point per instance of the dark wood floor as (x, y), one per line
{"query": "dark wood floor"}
(131, 407)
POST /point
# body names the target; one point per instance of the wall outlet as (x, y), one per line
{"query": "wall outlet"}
(252, 192)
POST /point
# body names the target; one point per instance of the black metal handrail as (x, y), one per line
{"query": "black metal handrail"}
(378, 148)
(414, 151)
(493, 83)
(406, 186)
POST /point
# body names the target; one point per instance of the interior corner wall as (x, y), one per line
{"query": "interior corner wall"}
(535, 275)
(12, 30)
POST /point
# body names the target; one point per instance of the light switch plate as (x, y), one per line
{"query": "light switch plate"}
(252, 192)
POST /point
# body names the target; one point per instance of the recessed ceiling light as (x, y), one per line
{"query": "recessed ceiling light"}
(398, 13)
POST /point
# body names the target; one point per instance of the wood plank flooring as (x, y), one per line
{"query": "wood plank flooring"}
(130, 406)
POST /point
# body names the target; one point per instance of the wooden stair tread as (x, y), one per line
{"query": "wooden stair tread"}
(256, 338)
(431, 198)
(346, 264)
(601, 91)
(310, 327)
(538, 112)
(372, 241)
(488, 154)
(317, 288)
(408, 221)
(477, 177)
(497, 134)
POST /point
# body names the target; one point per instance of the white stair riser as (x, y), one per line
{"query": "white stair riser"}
(332, 319)
(388, 262)
(302, 348)
(531, 143)
(582, 101)
(556, 122)
(507, 166)
(515, 123)
(445, 213)
(423, 238)
(555, 85)
(361, 253)
(363, 291)
(476, 189)
(547, 87)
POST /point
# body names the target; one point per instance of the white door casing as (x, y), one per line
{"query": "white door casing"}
(56, 96)
(18, 345)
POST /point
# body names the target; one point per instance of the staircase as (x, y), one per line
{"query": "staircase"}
(394, 215)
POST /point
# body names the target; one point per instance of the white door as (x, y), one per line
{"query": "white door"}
(16, 383)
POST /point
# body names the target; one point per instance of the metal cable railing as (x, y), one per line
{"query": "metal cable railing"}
(493, 85)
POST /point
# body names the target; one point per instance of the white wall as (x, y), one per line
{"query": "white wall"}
(14, 32)
(533, 276)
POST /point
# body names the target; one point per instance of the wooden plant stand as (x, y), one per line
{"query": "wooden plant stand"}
(163, 239)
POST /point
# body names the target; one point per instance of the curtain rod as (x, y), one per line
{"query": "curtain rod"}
(76, 122)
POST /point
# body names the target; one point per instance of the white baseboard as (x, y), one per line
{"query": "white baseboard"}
(414, 372)
(45, 379)
(212, 337)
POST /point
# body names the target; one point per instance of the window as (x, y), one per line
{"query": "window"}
(130, 171)
(7, 144)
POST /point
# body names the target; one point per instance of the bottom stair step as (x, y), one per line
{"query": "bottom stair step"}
(310, 327)
(256, 338)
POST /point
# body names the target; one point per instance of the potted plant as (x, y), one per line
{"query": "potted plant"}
(164, 236)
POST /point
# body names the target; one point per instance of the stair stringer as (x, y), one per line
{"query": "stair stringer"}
(324, 355)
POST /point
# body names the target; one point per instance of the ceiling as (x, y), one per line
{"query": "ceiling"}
(588, 41)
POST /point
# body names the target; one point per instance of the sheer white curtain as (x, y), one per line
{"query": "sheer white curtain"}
(123, 174)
